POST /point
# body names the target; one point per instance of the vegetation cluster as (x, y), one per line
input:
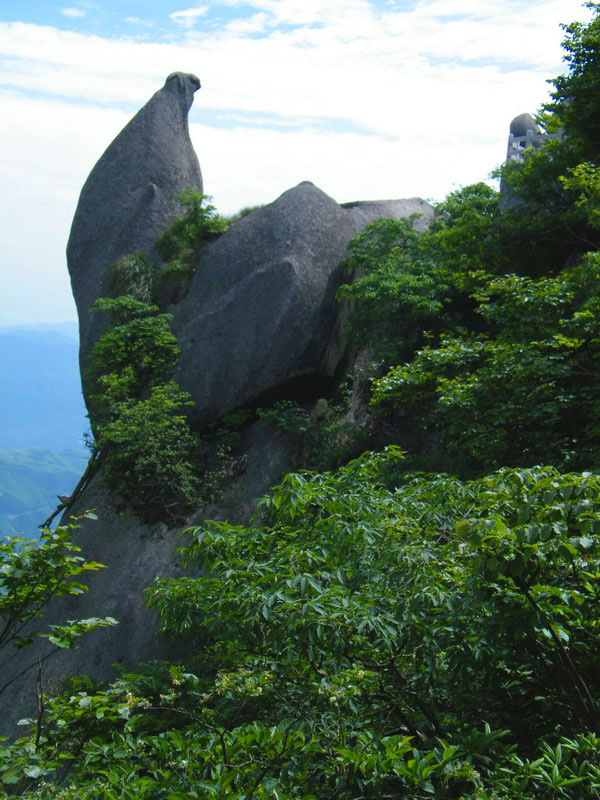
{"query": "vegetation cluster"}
(142, 435)
(179, 248)
(419, 625)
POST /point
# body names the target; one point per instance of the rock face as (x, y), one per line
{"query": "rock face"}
(363, 212)
(133, 554)
(260, 314)
(523, 123)
(130, 196)
(261, 308)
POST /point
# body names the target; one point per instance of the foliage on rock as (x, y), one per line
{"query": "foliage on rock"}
(523, 389)
(435, 640)
(133, 275)
(181, 244)
(325, 435)
(136, 275)
(149, 453)
(141, 430)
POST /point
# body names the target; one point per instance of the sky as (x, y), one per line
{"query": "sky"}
(369, 99)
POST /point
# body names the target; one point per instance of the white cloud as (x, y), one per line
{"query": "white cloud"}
(369, 104)
(138, 21)
(309, 12)
(254, 24)
(52, 145)
(72, 12)
(188, 17)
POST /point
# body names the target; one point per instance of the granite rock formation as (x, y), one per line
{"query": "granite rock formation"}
(260, 319)
(523, 123)
(261, 308)
(131, 195)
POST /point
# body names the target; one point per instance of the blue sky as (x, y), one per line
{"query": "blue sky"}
(151, 19)
(367, 98)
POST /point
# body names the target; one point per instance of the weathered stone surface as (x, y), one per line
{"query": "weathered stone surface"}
(261, 309)
(260, 312)
(365, 211)
(130, 196)
(134, 554)
(523, 123)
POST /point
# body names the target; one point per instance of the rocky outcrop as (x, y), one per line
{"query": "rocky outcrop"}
(261, 308)
(260, 314)
(362, 212)
(523, 123)
(130, 196)
(133, 555)
(525, 137)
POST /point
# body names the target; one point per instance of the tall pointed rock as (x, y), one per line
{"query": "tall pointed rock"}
(130, 196)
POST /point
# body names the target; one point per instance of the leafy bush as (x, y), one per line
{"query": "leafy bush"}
(32, 572)
(436, 640)
(408, 286)
(396, 293)
(181, 244)
(138, 352)
(186, 236)
(524, 391)
(147, 448)
(149, 451)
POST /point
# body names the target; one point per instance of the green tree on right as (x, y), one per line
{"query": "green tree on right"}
(485, 328)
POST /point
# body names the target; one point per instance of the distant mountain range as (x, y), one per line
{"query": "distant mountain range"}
(30, 481)
(42, 420)
(68, 329)
(40, 392)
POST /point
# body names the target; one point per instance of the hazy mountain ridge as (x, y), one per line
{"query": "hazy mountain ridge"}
(69, 330)
(30, 479)
(42, 420)
(40, 396)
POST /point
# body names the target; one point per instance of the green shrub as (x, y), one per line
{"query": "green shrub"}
(147, 449)
(32, 573)
(186, 236)
(138, 352)
(524, 391)
(133, 275)
(438, 639)
(409, 285)
(182, 242)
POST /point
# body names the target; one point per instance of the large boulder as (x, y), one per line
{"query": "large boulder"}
(363, 212)
(131, 195)
(261, 309)
(523, 123)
